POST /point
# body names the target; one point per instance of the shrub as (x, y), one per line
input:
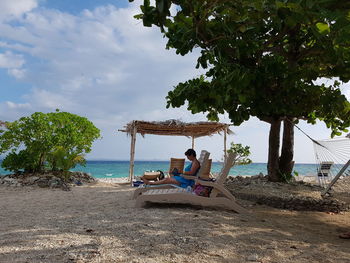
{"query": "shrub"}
(22, 160)
(57, 140)
(242, 153)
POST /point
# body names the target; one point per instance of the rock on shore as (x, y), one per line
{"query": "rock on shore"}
(50, 180)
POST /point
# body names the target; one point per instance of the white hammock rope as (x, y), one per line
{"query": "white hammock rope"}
(332, 160)
(337, 152)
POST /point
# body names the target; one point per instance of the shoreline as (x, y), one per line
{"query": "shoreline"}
(124, 180)
(106, 169)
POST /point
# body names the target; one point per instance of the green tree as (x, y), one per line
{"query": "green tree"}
(242, 153)
(56, 140)
(262, 58)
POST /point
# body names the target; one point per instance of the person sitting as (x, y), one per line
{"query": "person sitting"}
(192, 169)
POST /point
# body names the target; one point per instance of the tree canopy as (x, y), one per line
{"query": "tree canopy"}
(263, 58)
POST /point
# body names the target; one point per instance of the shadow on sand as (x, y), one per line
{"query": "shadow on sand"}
(100, 224)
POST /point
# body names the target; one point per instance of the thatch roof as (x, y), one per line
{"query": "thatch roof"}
(177, 128)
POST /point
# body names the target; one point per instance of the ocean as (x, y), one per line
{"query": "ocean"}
(118, 169)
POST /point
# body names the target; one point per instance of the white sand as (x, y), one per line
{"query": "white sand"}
(122, 180)
(98, 223)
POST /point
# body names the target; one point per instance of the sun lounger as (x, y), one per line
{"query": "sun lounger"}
(219, 196)
(205, 174)
(203, 159)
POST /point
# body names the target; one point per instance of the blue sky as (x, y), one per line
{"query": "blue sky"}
(92, 58)
(76, 6)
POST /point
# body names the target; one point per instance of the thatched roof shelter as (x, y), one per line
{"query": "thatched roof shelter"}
(177, 128)
(172, 128)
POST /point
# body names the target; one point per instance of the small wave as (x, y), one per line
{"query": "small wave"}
(109, 174)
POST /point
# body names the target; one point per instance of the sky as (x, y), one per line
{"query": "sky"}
(92, 58)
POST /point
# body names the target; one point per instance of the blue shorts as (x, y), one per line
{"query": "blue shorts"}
(183, 181)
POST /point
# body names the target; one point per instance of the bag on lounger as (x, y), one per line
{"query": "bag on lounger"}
(202, 190)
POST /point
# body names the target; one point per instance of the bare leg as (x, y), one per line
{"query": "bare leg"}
(169, 180)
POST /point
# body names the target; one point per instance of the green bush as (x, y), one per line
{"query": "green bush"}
(22, 160)
(242, 153)
(58, 159)
(55, 141)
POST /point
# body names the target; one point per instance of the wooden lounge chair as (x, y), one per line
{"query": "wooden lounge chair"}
(203, 159)
(219, 196)
(205, 174)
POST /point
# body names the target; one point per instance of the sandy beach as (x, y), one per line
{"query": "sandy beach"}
(99, 223)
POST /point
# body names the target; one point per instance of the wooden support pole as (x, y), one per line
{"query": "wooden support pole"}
(132, 155)
(192, 142)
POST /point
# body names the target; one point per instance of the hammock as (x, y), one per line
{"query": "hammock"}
(332, 160)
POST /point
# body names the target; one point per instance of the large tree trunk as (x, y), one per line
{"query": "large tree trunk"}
(274, 146)
(286, 162)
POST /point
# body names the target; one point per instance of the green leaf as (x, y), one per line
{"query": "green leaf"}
(323, 28)
(242, 28)
(139, 16)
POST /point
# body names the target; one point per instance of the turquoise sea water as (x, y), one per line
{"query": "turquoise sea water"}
(117, 169)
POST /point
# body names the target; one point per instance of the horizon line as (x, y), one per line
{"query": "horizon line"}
(158, 160)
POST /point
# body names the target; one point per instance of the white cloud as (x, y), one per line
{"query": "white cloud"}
(11, 9)
(45, 100)
(10, 110)
(17, 73)
(13, 63)
(15, 106)
(10, 60)
(103, 57)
